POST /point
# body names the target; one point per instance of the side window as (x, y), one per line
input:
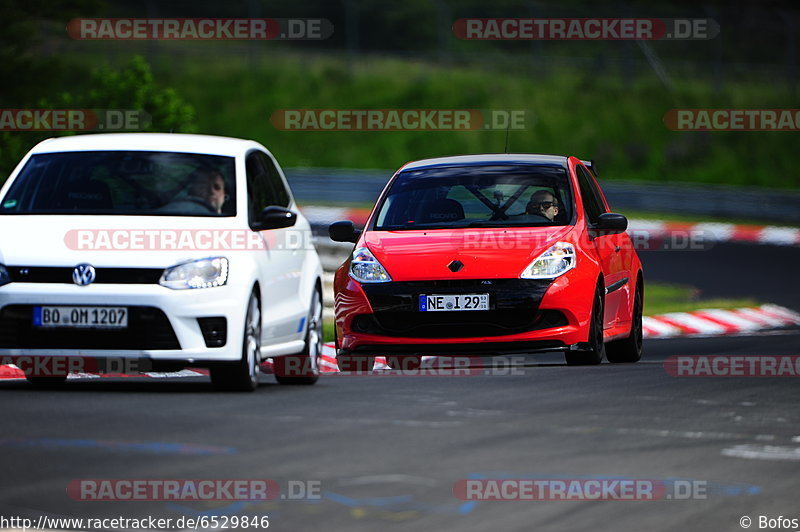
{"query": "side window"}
(591, 202)
(279, 191)
(259, 192)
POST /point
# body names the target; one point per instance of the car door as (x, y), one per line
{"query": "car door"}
(607, 247)
(281, 267)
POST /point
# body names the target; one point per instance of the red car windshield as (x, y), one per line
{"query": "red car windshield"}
(477, 196)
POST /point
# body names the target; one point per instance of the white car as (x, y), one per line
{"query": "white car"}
(161, 250)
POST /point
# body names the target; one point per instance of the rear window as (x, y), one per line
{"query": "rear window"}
(477, 196)
(124, 183)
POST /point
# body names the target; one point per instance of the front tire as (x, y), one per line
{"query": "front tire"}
(242, 376)
(304, 368)
(593, 355)
(629, 349)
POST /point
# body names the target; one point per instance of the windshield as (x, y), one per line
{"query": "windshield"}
(124, 183)
(477, 196)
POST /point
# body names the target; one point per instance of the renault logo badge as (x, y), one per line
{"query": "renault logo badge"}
(455, 266)
(83, 274)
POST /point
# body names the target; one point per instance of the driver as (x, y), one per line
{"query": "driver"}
(208, 186)
(543, 203)
(205, 194)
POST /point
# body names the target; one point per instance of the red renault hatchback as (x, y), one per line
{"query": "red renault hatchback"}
(489, 255)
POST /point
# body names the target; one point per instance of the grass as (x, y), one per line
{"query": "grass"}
(659, 298)
(569, 112)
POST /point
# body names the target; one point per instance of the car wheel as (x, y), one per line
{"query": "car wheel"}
(629, 349)
(304, 368)
(407, 363)
(596, 348)
(243, 375)
(357, 363)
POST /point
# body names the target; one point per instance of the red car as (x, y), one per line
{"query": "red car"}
(488, 255)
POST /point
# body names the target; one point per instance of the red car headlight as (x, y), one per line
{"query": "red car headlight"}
(557, 260)
(365, 268)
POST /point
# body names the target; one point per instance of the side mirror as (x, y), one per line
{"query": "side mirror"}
(343, 232)
(610, 223)
(274, 217)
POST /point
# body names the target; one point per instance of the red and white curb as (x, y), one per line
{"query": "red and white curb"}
(715, 322)
(699, 323)
(708, 231)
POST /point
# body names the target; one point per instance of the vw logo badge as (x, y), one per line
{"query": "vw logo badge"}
(83, 274)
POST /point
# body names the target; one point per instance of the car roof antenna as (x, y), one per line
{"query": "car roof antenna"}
(508, 126)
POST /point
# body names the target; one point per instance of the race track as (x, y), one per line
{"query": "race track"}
(387, 450)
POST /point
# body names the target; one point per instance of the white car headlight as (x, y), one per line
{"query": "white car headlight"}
(560, 258)
(202, 273)
(365, 268)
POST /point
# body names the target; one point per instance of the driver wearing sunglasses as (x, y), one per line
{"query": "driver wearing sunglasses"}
(542, 203)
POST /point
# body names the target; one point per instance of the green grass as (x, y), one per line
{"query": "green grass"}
(662, 298)
(327, 330)
(572, 112)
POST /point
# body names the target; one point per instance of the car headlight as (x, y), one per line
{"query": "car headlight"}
(202, 273)
(4, 277)
(365, 268)
(560, 258)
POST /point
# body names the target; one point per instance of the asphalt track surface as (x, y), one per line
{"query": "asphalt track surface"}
(387, 450)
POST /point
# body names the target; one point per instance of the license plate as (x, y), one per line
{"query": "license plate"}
(449, 303)
(81, 317)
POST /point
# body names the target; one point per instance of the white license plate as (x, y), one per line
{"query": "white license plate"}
(81, 317)
(449, 303)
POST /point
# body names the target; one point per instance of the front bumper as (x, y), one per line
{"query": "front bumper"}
(525, 316)
(164, 324)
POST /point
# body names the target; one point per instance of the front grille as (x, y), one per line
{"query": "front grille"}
(513, 308)
(148, 328)
(63, 274)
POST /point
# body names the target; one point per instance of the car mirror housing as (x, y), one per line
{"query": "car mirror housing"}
(343, 231)
(274, 217)
(610, 223)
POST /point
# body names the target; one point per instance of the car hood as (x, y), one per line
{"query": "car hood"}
(484, 252)
(57, 240)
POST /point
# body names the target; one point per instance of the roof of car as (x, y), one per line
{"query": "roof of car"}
(147, 142)
(489, 158)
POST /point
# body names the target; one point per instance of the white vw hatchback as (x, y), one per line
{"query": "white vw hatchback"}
(161, 251)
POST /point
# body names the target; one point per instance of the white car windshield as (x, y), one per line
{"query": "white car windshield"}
(124, 183)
